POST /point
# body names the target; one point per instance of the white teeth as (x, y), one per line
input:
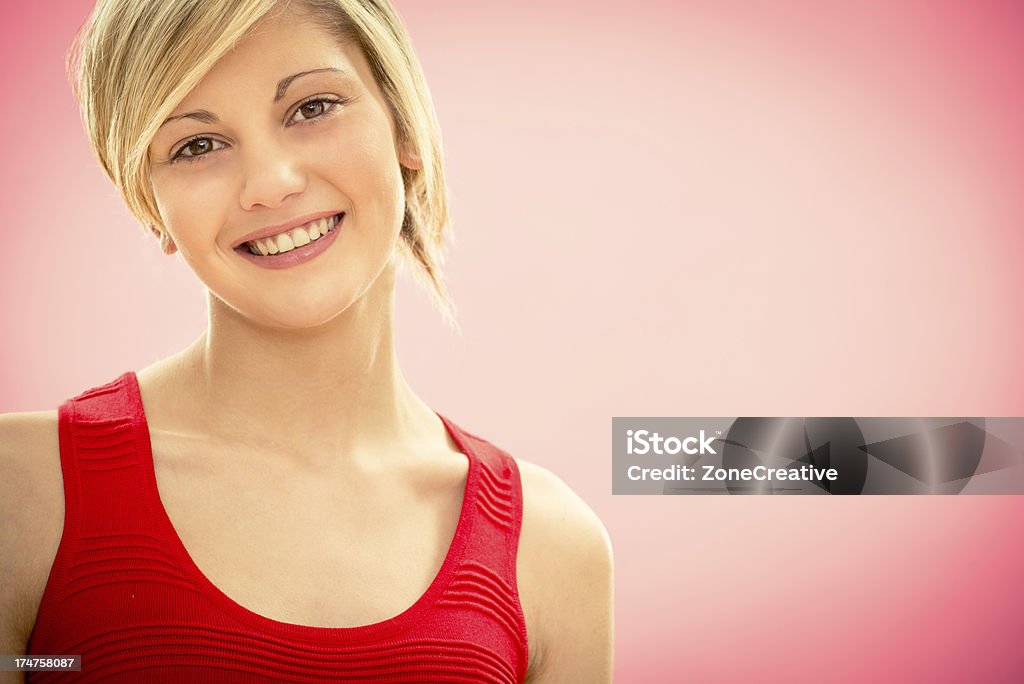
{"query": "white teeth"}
(297, 237)
(300, 237)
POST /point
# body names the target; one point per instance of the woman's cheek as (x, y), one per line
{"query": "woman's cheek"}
(196, 208)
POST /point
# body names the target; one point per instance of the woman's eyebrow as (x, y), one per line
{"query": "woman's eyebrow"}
(287, 81)
(282, 87)
(199, 115)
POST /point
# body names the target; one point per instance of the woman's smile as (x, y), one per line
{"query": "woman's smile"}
(295, 246)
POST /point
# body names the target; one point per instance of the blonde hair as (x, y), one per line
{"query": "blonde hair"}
(134, 61)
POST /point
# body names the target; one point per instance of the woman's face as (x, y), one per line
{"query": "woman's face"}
(287, 127)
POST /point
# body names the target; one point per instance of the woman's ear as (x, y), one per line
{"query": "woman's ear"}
(409, 159)
(167, 245)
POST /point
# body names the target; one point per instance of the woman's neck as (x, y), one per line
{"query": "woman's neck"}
(315, 396)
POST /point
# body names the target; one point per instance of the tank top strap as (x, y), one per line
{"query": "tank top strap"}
(486, 576)
(100, 432)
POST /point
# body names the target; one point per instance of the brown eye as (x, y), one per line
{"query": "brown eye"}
(195, 149)
(312, 109)
(199, 146)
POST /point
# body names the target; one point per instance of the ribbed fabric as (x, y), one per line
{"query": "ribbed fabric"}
(124, 593)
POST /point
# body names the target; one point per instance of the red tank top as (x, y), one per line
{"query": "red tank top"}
(124, 593)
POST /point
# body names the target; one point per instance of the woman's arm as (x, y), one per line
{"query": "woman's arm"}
(31, 523)
(567, 578)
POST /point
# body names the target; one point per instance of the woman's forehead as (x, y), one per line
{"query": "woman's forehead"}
(282, 46)
(266, 63)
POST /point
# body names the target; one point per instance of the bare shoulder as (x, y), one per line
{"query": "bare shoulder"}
(31, 519)
(565, 519)
(565, 573)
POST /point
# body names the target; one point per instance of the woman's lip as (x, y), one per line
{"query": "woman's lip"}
(284, 227)
(296, 256)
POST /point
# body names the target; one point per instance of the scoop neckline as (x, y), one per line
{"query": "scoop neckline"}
(440, 582)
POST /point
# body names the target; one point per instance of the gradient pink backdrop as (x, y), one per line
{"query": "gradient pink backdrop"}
(693, 208)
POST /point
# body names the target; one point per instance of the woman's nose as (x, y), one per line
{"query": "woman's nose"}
(271, 175)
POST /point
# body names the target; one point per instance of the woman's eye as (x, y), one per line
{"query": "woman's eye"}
(311, 109)
(314, 109)
(194, 148)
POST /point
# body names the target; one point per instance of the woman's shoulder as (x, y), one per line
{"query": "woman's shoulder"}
(559, 510)
(31, 518)
(565, 573)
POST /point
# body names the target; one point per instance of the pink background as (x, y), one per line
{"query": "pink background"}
(693, 208)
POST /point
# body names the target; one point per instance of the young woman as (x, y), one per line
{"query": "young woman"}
(274, 502)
